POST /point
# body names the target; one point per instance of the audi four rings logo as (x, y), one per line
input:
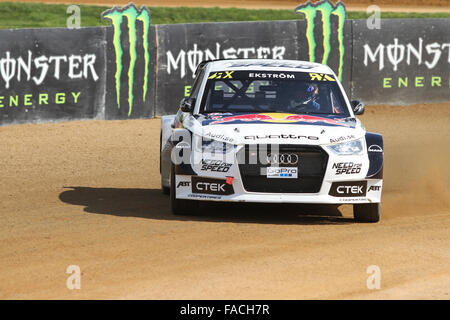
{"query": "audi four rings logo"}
(283, 158)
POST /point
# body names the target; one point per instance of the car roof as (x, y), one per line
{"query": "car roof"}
(267, 65)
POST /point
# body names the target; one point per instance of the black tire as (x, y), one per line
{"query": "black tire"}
(367, 212)
(180, 206)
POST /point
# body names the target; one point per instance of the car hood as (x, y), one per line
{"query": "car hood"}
(275, 128)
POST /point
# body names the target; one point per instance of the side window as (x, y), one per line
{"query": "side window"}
(197, 82)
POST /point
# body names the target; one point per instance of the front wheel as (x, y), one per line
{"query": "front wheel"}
(180, 206)
(367, 212)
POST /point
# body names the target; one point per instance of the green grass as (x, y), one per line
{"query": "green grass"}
(38, 15)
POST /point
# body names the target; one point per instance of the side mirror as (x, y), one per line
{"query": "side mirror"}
(358, 107)
(187, 104)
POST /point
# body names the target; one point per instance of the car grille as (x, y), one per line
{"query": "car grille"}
(311, 165)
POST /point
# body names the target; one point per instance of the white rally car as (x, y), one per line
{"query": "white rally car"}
(278, 131)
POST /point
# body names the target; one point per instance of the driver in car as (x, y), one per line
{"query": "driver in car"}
(307, 100)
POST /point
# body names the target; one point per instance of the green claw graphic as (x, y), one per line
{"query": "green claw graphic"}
(132, 15)
(326, 9)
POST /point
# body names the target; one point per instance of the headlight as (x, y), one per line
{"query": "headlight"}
(347, 148)
(213, 146)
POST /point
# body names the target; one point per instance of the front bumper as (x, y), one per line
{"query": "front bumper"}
(339, 184)
(372, 194)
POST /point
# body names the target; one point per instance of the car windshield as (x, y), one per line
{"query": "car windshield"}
(286, 92)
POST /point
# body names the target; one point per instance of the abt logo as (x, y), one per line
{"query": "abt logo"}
(348, 189)
(211, 186)
(374, 188)
(183, 184)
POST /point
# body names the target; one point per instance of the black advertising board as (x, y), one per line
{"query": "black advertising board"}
(51, 74)
(405, 62)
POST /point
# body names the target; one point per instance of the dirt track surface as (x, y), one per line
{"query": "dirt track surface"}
(87, 193)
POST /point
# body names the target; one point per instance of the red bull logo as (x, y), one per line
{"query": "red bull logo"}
(276, 118)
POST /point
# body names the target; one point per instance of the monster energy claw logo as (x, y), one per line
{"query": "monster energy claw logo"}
(116, 15)
(326, 9)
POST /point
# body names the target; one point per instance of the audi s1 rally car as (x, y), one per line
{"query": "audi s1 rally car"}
(278, 131)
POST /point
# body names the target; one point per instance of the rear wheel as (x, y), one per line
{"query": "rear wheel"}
(180, 206)
(367, 212)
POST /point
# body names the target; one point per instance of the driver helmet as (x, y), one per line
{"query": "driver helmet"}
(312, 91)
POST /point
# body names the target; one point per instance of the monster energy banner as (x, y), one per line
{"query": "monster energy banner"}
(51, 75)
(407, 61)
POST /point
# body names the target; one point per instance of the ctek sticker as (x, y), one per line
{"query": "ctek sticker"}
(282, 172)
(348, 189)
(211, 186)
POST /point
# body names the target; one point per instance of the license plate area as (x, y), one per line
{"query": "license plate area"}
(280, 172)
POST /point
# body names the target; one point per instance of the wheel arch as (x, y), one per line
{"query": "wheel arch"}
(375, 152)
